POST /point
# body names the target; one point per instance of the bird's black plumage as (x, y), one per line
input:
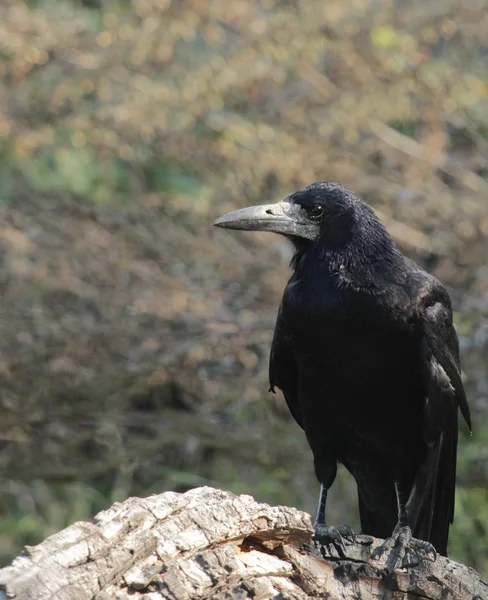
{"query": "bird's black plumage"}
(367, 358)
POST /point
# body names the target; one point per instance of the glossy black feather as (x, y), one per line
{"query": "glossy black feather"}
(367, 357)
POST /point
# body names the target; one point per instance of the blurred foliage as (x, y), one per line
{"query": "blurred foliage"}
(135, 339)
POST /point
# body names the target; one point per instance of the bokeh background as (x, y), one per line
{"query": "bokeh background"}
(134, 336)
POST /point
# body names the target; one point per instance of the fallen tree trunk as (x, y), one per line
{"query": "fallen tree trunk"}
(211, 544)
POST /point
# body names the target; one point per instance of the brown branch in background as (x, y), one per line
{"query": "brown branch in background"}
(442, 161)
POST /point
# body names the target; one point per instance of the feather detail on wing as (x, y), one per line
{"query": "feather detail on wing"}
(431, 502)
(282, 369)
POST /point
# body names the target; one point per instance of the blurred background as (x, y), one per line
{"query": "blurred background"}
(134, 336)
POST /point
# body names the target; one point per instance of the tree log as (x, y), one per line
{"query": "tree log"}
(208, 543)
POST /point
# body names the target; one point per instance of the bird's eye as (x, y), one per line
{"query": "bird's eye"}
(316, 212)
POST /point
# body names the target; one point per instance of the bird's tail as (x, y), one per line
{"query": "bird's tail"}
(374, 522)
(430, 506)
(378, 510)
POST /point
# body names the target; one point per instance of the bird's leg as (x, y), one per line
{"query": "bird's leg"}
(320, 526)
(401, 541)
(328, 535)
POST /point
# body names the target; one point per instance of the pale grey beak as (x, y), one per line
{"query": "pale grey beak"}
(260, 218)
(282, 217)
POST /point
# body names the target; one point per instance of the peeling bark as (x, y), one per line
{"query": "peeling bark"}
(210, 544)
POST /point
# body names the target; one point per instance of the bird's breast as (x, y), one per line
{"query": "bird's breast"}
(350, 343)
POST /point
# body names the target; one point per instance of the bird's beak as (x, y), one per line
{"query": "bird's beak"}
(281, 217)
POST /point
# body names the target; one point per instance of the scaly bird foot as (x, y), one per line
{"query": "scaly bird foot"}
(337, 537)
(402, 547)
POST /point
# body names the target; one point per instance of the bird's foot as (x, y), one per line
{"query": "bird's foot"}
(336, 537)
(403, 549)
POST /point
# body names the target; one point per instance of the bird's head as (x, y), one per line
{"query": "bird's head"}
(323, 210)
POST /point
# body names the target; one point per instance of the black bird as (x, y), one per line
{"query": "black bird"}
(366, 355)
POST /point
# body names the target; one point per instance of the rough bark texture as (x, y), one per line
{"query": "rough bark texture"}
(211, 544)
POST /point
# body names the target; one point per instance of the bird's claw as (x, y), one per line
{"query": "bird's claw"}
(402, 545)
(347, 531)
(338, 537)
(419, 550)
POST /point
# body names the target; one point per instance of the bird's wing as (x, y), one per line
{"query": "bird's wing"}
(440, 351)
(282, 368)
(431, 501)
